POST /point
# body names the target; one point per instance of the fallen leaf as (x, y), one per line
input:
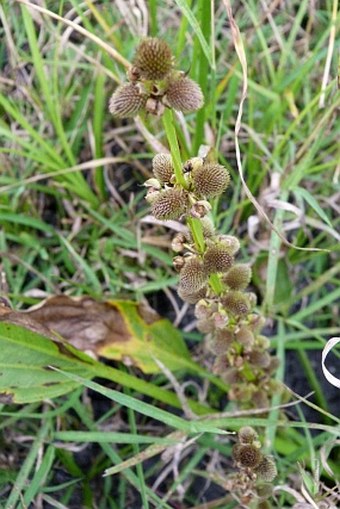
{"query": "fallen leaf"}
(121, 330)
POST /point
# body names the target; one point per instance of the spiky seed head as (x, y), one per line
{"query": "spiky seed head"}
(220, 365)
(208, 227)
(242, 392)
(217, 258)
(192, 298)
(205, 325)
(210, 180)
(153, 59)
(274, 364)
(245, 337)
(236, 303)
(262, 342)
(266, 469)
(184, 94)
(247, 435)
(264, 491)
(170, 204)
(256, 322)
(260, 399)
(192, 276)
(247, 455)
(230, 242)
(205, 309)
(220, 341)
(231, 376)
(127, 101)
(259, 358)
(162, 167)
(238, 277)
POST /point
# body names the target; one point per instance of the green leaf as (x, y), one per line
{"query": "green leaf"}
(144, 342)
(312, 202)
(25, 358)
(182, 4)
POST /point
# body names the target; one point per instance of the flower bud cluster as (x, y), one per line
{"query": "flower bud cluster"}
(226, 315)
(256, 471)
(169, 200)
(154, 83)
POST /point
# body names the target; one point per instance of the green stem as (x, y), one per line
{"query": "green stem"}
(170, 131)
(216, 283)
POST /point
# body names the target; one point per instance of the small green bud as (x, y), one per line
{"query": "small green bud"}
(238, 277)
(217, 258)
(184, 94)
(210, 180)
(247, 455)
(127, 101)
(162, 167)
(266, 469)
(153, 60)
(192, 276)
(236, 303)
(264, 491)
(170, 204)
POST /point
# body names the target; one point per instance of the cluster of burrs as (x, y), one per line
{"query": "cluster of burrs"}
(256, 471)
(210, 278)
(154, 83)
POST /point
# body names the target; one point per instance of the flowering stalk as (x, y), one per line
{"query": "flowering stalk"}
(209, 276)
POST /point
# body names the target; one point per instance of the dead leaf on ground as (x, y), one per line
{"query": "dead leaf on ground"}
(122, 330)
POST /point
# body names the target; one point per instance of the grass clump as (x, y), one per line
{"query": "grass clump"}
(74, 221)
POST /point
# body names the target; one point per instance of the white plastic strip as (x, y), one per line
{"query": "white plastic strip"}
(327, 348)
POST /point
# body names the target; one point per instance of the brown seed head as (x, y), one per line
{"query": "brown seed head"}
(247, 435)
(210, 180)
(236, 303)
(247, 455)
(127, 101)
(153, 59)
(220, 341)
(193, 276)
(217, 258)
(184, 94)
(266, 469)
(208, 227)
(192, 298)
(162, 167)
(231, 376)
(259, 359)
(245, 337)
(231, 243)
(238, 277)
(170, 204)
